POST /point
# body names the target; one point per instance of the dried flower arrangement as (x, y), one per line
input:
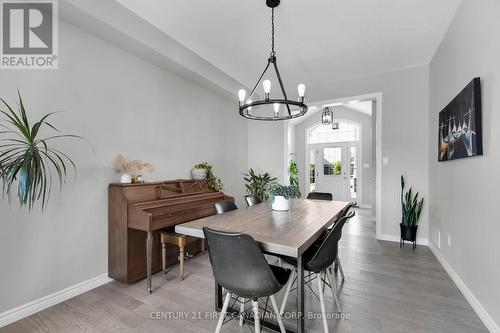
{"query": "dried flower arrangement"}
(134, 168)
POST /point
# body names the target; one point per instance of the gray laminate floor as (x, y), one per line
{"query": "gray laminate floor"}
(387, 289)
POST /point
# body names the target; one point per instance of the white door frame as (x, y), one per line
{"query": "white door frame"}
(348, 145)
(377, 97)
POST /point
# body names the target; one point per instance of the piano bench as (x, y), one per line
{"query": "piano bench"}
(174, 239)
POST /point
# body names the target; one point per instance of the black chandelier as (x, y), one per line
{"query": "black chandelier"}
(291, 109)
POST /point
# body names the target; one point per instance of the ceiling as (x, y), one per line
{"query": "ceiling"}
(317, 42)
(364, 107)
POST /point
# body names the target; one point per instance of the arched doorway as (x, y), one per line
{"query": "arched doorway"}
(333, 160)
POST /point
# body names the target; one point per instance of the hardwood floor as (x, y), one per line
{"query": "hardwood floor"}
(387, 289)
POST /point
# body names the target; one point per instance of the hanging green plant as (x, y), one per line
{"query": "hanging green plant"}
(213, 181)
(27, 161)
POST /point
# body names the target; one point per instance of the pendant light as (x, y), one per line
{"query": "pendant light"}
(271, 108)
(327, 116)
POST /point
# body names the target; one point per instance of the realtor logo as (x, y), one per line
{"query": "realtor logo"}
(29, 34)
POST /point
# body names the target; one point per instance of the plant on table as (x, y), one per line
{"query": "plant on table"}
(288, 192)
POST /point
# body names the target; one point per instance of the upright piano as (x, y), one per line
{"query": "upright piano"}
(137, 212)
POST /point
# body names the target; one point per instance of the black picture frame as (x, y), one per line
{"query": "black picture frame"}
(460, 133)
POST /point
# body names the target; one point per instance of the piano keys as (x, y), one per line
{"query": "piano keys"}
(136, 214)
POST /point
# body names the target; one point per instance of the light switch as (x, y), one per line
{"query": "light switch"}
(385, 160)
(366, 165)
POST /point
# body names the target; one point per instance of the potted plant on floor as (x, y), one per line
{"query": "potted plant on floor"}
(293, 171)
(256, 184)
(411, 208)
(280, 195)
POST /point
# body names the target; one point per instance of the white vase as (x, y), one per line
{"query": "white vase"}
(199, 174)
(126, 178)
(280, 203)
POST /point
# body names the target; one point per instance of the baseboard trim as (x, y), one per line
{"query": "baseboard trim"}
(45, 302)
(487, 320)
(396, 239)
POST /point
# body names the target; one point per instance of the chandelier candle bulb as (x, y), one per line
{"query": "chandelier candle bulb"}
(241, 94)
(301, 88)
(276, 110)
(249, 101)
(267, 88)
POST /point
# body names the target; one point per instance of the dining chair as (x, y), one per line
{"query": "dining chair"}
(252, 200)
(251, 278)
(337, 266)
(320, 196)
(318, 259)
(225, 206)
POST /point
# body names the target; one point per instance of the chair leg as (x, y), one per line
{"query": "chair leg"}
(322, 301)
(278, 316)
(333, 288)
(287, 292)
(242, 309)
(223, 313)
(164, 257)
(255, 306)
(340, 268)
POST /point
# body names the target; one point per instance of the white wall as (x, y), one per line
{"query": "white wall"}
(121, 104)
(405, 110)
(267, 147)
(366, 147)
(463, 193)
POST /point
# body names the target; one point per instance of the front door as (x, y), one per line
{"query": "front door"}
(334, 170)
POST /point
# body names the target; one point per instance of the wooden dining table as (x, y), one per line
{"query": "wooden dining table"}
(287, 233)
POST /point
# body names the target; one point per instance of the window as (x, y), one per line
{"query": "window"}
(324, 134)
(332, 161)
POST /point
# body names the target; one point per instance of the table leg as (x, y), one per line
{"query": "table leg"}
(300, 295)
(149, 252)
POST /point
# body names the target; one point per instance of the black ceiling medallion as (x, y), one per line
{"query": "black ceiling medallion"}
(291, 109)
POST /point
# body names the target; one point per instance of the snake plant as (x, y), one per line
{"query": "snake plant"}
(28, 161)
(410, 205)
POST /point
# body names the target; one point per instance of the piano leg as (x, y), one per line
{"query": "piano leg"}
(149, 252)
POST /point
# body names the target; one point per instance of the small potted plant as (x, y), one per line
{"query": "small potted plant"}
(280, 195)
(202, 171)
(199, 171)
(411, 208)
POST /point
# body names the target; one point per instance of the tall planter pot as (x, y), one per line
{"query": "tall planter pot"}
(408, 234)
